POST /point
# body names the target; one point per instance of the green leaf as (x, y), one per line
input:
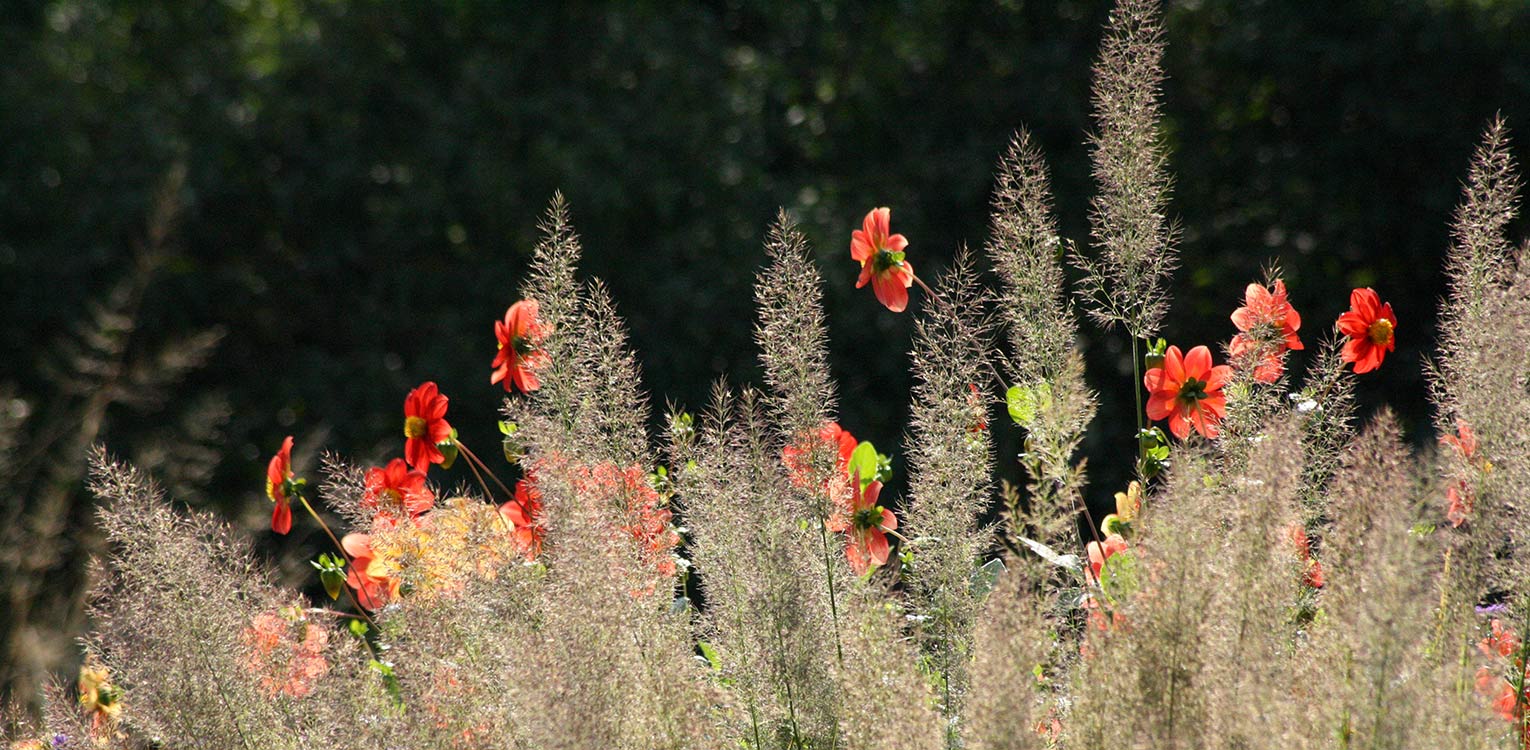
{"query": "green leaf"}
(448, 449)
(508, 428)
(986, 576)
(1119, 575)
(709, 653)
(1026, 403)
(863, 462)
(359, 628)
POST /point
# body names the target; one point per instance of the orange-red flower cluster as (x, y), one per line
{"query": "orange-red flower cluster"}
(520, 348)
(1187, 391)
(1267, 326)
(865, 525)
(1370, 325)
(285, 654)
(1506, 699)
(881, 255)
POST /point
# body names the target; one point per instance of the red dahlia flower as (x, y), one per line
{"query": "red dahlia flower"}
(1187, 391)
(864, 524)
(1370, 325)
(425, 426)
(520, 352)
(397, 490)
(1500, 642)
(278, 474)
(1266, 322)
(881, 259)
(524, 514)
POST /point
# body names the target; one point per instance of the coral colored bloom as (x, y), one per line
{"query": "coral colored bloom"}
(797, 459)
(278, 473)
(1500, 642)
(520, 348)
(1458, 504)
(1187, 391)
(1266, 323)
(1464, 441)
(1312, 570)
(524, 514)
(286, 662)
(1100, 553)
(881, 259)
(396, 490)
(1370, 325)
(425, 426)
(373, 590)
(864, 524)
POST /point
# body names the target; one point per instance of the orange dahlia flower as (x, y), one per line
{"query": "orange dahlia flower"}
(1187, 391)
(881, 256)
(1266, 323)
(864, 524)
(520, 348)
(397, 490)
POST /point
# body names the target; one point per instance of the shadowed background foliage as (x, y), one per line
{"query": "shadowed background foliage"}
(349, 192)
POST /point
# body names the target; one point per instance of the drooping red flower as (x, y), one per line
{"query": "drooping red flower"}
(1187, 391)
(1464, 441)
(831, 436)
(373, 589)
(1312, 570)
(1266, 323)
(881, 256)
(1099, 553)
(520, 348)
(396, 490)
(278, 473)
(1370, 326)
(864, 524)
(425, 426)
(524, 514)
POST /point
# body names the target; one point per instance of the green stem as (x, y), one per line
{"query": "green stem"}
(1137, 392)
(828, 572)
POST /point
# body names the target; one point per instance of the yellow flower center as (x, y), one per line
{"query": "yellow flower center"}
(414, 427)
(1380, 332)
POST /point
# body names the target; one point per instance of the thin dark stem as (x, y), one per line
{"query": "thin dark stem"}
(828, 572)
(473, 464)
(1137, 392)
(473, 457)
(348, 559)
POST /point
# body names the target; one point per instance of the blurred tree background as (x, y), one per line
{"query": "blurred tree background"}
(223, 222)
